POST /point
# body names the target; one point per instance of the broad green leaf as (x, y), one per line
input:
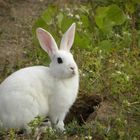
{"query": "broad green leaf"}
(66, 22)
(39, 23)
(107, 17)
(115, 15)
(101, 13)
(82, 40)
(85, 20)
(49, 14)
(105, 45)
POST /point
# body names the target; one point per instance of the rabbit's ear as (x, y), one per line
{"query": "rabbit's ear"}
(46, 41)
(68, 38)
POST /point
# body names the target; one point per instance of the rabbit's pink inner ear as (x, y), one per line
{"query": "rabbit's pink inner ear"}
(47, 42)
(68, 38)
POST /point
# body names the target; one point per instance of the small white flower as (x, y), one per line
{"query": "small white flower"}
(77, 16)
(80, 23)
(118, 72)
(61, 10)
(112, 61)
(127, 77)
(85, 31)
(117, 35)
(126, 33)
(90, 71)
(101, 57)
(100, 51)
(83, 75)
(70, 14)
(128, 17)
(68, 9)
(122, 65)
(88, 137)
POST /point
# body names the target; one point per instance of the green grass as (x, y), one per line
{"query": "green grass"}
(109, 65)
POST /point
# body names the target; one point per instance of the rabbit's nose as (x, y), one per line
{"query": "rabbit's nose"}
(72, 68)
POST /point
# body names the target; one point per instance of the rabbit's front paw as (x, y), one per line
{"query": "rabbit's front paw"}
(60, 126)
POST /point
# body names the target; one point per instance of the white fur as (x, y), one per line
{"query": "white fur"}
(39, 90)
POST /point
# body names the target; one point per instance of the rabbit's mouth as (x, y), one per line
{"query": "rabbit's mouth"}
(72, 70)
(73, 73)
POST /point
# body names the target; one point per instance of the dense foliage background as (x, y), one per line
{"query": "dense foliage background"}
(107, 51)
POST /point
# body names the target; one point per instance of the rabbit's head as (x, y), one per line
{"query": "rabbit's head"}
(62, 63)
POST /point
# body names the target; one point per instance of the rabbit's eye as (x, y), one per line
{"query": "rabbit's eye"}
(59, 60)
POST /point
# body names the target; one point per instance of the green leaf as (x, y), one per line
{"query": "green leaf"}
(39, 23)
(101, 13)
(85, 20)
(66, 22)
(105, 45)
(49, 14)
(107, 17)
(82, 41)
(115, 15)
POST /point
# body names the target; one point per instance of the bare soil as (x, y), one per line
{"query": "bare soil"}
(16, 21)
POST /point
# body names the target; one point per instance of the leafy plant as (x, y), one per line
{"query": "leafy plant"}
(105, 17)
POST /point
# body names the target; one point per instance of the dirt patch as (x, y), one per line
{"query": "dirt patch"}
(87, 108)
(16, 20)
(105, 112)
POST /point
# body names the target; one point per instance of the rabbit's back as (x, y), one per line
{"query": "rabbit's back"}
(23, 96)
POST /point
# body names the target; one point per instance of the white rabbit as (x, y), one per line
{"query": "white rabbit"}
(39, 90)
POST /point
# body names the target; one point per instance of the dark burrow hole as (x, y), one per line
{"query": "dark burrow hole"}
(84, 106)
